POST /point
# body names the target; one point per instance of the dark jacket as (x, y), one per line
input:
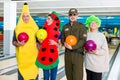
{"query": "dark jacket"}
(78, 30)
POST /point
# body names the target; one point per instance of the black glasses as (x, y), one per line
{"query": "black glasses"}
(72, 14)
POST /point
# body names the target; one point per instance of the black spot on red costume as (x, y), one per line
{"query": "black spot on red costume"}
(55, 28)
(57, 24)
(43, 49)
(43, 58)
(48, 54)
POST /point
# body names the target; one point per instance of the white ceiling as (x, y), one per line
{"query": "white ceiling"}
(85, 7)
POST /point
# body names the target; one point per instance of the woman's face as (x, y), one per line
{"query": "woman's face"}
(93, 25)
(73, 17)
(49, 20)
(26, 17)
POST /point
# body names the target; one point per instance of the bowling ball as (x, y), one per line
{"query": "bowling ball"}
(71, 40)
(23, 37)
(90, 45)
(41, 34)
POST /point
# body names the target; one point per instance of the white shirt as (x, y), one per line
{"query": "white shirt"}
(98, 62)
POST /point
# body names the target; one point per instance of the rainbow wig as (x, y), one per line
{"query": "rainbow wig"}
(92, 18)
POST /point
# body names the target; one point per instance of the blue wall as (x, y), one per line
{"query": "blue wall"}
(1, 26)
(108, 22)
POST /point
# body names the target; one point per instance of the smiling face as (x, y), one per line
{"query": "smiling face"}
(93, 26)
(73, 17)
(25, 17)
(49, 20)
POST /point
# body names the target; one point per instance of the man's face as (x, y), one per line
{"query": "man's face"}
(73, 17)
(25, 17)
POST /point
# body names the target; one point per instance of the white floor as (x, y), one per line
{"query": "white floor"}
(12, 62)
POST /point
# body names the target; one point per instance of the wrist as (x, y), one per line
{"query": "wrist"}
(57, 44)
(16, 44)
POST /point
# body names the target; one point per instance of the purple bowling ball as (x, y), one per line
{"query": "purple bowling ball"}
(90, 45)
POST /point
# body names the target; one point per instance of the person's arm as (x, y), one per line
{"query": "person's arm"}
(52, 42)
(38, 45)
(103, 49)
(15, 42)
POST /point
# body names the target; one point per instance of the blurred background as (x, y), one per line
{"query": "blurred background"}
(107, 10)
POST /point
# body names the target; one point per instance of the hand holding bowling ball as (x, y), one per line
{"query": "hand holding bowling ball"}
(90, 45)
(41, 34)
(23, 37)
(71, 40)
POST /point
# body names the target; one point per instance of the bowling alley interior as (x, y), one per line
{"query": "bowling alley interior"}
(107, 10)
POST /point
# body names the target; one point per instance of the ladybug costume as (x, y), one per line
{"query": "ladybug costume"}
(48, 54)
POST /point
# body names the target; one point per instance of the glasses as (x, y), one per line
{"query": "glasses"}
(72, 14)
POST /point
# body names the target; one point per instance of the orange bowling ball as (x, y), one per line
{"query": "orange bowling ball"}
(71, 40)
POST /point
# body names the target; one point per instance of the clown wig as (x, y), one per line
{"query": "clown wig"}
(92, 18)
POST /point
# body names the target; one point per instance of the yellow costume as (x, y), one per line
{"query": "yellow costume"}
(27, 54)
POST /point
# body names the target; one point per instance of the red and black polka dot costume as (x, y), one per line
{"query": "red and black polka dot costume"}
(48, 54)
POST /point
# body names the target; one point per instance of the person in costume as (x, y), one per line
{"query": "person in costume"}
(96, 61)
(26, 52)
(48, 54)
(74, 54)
